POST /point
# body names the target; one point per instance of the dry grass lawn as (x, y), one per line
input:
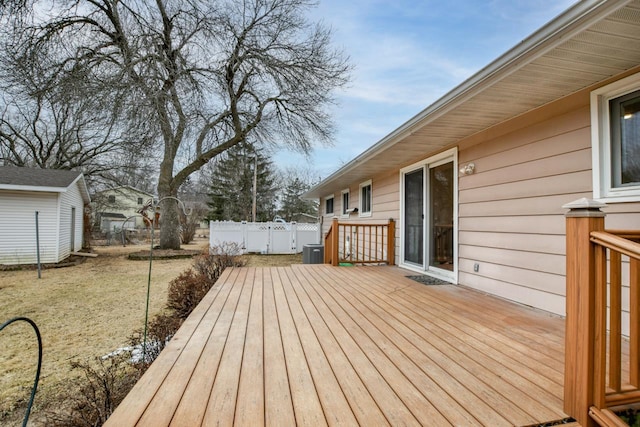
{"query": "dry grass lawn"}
(83, 312)
(272, 260)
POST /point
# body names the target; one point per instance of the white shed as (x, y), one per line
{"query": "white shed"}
(59, 197)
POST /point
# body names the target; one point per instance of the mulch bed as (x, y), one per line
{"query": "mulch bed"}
(164, 254)
(71, 261)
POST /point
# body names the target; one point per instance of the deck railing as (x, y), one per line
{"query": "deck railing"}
(596, 378)
(360, 243)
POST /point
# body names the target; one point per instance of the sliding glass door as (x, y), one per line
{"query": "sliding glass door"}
(414, 217)
(428, 205)
(441, 216)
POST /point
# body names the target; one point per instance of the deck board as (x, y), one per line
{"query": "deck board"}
(442, 324)
(452, 362)
(278, 404)
(340, 341)
(337, 382)
(250, 402)
(222, 401)
(193, 402)
(400, 366)
(306, 400)
(317, 345)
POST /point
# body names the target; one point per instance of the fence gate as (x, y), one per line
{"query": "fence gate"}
(265, 237)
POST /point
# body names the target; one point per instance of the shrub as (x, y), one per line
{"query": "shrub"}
(188, 232)
(96, 394)
(185, 292)
(189, 223)
(214, 260)
(160, 330)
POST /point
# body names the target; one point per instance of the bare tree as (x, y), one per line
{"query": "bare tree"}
(44, 133)
(63, 123)
(203, 75)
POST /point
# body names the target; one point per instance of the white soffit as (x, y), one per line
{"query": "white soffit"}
(588, 43)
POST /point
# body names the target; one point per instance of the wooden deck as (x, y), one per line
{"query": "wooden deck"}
(318, 345)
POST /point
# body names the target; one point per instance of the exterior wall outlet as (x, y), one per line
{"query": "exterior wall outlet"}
(476, 267)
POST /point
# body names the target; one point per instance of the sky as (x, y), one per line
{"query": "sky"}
(406, 55)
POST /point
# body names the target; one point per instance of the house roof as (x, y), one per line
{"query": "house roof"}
(116, 189)
(588, 43)
(112, 215)
(44, 180)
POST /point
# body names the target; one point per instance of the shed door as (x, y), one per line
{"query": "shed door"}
(72, 243)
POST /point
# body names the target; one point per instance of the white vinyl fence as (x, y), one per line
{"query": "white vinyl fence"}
(265, 237)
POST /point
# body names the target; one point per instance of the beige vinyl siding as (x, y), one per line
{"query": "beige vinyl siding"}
(385, 202)
(126, 203)
(385, 199)
(511, 218)
(17, 227)
(511, 221)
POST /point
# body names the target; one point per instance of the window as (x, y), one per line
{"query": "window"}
(345, 202)
(625, 139)
(139, 200)
(112, 199)
(365, 198)
(615, 117)
(328, 205)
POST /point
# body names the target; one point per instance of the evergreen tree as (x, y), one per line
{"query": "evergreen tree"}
(231, 190)
(292, 202)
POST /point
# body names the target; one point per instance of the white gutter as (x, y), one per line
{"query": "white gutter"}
(14, 187)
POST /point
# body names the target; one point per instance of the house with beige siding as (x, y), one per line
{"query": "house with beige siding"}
(114, 206)
(476, 182)
(57, 198)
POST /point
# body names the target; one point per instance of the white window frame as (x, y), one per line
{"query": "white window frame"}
(444, 157)
(343, 208)
(603, 189)
(361, 212)
(333, 205)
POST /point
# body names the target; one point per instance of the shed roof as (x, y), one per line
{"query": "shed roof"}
(45, 180)
(590, 42)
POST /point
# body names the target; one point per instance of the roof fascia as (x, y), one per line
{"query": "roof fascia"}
(13, 187)
(564, 26)
(83, 188)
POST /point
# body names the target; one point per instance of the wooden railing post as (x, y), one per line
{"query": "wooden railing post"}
(334, 242)
(584, 216)
(391, 243)
(327, 247)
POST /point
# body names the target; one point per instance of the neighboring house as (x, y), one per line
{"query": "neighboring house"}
(116, 205)
(476, 181)
(58, 196)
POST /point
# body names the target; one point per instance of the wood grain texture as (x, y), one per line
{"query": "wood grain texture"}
(318, 345)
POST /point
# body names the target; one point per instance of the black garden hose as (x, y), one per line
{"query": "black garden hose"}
(35, 383)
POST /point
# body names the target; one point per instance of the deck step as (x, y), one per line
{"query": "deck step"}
(606, 418)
